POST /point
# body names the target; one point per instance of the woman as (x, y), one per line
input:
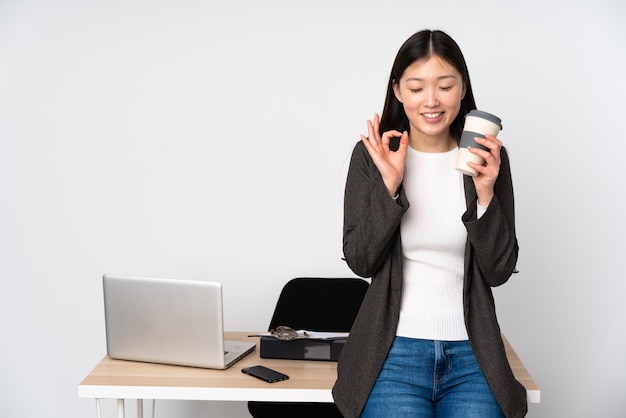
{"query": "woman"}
(426, 342)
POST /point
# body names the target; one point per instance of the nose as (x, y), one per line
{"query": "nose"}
(431, 98)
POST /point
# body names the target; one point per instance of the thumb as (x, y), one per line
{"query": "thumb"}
(404, 141)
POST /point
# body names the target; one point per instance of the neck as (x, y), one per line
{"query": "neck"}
(442, 143)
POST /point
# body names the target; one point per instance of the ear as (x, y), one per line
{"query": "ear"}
(464, 91)
(396, 91)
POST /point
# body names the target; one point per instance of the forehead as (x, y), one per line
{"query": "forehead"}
(431, 68)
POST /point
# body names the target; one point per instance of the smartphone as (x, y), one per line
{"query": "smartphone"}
(263, 373)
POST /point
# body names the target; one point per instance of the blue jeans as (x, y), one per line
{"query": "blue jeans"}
(425, 378)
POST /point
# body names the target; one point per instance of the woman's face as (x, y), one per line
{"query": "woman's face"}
(430, 91)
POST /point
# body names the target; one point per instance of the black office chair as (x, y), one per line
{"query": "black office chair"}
(317, 304)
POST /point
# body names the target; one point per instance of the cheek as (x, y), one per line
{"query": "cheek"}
(409, 109)
(410, 102)
(455, 104)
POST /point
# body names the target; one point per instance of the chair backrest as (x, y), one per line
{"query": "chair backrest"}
(319, 304)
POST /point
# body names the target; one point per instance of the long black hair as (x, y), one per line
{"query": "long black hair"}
(424, 44)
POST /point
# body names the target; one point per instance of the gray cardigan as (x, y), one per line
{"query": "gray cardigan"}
(372, 248)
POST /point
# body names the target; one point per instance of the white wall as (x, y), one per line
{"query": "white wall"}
(191, 139)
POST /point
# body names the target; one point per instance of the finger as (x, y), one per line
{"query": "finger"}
(478, 167)
(372, 149)
(491, 142)
(367, 144)
(377, 123)
(487, 156)
(492, 138)
(404, 140)
(388, 135)
(403, 144)
(371, 136)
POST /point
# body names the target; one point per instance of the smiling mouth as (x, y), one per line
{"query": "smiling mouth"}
(432, 115)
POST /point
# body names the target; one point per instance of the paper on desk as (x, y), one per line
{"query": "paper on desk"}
(311, 335)
(315, 335)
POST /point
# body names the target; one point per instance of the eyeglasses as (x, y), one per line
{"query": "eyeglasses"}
(284, 333)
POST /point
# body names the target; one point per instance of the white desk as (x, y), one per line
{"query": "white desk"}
(309, 381)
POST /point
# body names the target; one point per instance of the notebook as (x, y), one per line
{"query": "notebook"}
(169, 321)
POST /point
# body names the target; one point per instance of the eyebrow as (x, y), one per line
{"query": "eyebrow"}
(441, 77)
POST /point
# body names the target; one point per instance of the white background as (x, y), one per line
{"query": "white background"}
(195, 139)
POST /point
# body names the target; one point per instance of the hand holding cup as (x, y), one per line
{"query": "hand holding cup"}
(477, 125)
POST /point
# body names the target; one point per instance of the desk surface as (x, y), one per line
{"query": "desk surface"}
(309, 381)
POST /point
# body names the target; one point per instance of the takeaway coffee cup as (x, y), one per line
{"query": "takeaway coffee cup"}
(477, 124)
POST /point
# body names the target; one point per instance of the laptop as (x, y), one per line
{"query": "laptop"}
(168, 321)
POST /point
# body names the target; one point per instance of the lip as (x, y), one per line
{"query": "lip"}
(428, 116)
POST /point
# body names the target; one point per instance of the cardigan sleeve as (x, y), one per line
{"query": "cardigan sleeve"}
(492, 236)
(371, 216)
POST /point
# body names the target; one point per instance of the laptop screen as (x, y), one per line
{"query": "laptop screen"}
(161, 320)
